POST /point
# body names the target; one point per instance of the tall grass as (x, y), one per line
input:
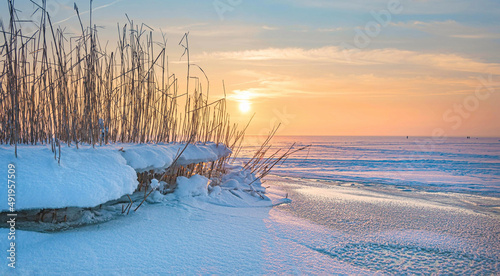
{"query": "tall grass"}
(61, 90)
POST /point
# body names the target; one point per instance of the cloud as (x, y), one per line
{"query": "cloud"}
(268, 28)
(272, 86)
(331, 87)
(388, 56)
(88, 11)
(213, 30)
(330, 30)
(262, 85)
(448, 28)
(295, 54)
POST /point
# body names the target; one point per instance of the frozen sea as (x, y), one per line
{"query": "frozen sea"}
(397, 205)
(456, 164)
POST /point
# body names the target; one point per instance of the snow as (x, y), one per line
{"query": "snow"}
(395, 232)
(145, 157)
(368, 221)
(154, 184)
(155, 197)
(240, 194)
(331, 227)
(197, 235)
(87, 177)
(171, 238)
(197, 185)
(239, 179)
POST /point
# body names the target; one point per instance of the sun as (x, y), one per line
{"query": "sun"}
(245, 106)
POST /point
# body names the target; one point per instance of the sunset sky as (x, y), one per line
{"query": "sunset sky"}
(324, 67)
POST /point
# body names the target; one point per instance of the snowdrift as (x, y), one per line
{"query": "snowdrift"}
(239, 188)
(145, 157)
(87, 177)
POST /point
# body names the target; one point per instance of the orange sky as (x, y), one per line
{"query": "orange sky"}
(384, 93)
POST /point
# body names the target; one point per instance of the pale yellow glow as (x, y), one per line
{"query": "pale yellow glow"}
(245, 106)
(243, 97)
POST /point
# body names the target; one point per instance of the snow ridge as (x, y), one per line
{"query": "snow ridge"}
(88, 177)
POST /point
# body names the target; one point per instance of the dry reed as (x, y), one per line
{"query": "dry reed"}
(58, 90)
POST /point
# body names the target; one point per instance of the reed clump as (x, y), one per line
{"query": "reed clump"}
(61, 90)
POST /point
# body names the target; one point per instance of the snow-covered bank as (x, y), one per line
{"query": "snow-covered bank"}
(87, 177)
(234, 191)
